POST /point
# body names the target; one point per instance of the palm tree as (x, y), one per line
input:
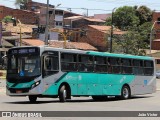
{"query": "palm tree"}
(22, 4)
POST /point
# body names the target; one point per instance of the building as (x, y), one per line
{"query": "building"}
(59, 44)
(25, 16)
(55, 17)
(81, 21)
(102, 16)
(156, 20)
(35, 6)
(156, 44)
(98, 36)
(73, 45)
(5, 11)
(55, 21)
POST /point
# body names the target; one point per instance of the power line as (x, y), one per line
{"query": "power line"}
(127, 2)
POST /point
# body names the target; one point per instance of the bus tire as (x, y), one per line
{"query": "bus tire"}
(63, 93)
(32, 98)
(125, 93)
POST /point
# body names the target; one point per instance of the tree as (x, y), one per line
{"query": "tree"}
(125, 17)
(137, 22)
(129, 43)
(7, 19)
(22, 4)
(144, 14)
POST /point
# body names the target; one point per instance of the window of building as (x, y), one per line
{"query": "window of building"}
(58, 12)
(59, 23)
(157, 61)
(158, 19)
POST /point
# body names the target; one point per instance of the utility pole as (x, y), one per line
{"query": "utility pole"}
(111, 30)
(47, 21)
(20, 29)
(86, 10)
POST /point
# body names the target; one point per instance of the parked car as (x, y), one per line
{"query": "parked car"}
(158, 74)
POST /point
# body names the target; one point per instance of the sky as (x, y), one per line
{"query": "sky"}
(103, 6)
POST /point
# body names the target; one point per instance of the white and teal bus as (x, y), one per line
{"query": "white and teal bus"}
(55, 72)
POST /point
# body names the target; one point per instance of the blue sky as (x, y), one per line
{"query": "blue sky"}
(107, 5)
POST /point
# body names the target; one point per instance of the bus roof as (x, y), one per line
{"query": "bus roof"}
(91, 52)
(119, 55)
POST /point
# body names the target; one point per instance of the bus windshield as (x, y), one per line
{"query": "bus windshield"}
(23, 66)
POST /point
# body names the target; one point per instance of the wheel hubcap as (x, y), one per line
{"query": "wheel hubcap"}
(65, 93)
(125, 93)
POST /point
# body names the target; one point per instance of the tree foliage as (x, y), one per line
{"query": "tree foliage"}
(125, 17)
(136, 21)
(22, 4)
(7, 19)
(144, 14)
(129, 43)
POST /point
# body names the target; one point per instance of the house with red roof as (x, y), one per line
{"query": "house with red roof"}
(59, 44)
(98, 36)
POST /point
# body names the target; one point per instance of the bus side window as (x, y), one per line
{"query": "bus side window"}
(138, 67)
(148, 67)
(100, 64)
(109, 65)
(126, 66)
(114, 65)
(85, 63)
(68, 62)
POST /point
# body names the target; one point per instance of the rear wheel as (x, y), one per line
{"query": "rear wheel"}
(125, 92)
(32, 98)
(63, 94)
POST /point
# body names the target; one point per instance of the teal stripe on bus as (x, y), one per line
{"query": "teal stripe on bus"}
(92, 83)
(119, 55)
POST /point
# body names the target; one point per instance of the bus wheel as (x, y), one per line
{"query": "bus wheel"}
(125, 92)
(32, 98)
(63, 94)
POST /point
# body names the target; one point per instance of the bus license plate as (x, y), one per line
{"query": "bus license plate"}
(18, 91)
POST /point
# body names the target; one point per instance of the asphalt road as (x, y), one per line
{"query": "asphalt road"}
(150, 102)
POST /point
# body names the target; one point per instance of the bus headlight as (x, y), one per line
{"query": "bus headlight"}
(35, 84)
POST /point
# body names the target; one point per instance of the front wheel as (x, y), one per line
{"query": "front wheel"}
(32, 98)
(63, 94)
(125, 93)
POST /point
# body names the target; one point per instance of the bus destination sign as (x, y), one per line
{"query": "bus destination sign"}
(24, 51)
